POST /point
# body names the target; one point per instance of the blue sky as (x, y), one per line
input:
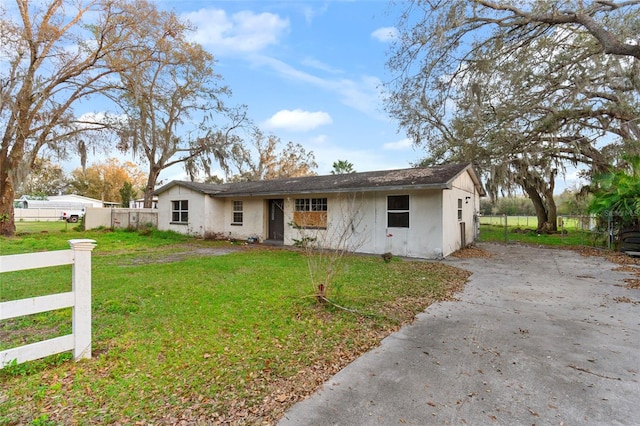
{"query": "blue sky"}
(309, 71)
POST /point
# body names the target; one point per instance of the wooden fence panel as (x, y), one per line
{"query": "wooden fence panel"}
(79, 299)
(35, 305)
(20, 262)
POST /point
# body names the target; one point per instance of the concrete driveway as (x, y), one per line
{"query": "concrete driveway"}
(538, 336)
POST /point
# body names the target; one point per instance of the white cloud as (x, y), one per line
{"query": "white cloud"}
(241, 32)
(298, 120)
(95, 120)
(363, 95)
(401, 145)
(318, 140)
(314, 63)
(385, 34)
(363, 160)
(310, 12)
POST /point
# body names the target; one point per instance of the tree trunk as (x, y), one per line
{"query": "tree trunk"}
(7, 219)
(154, 172)
(545, 207)
(552, 211)
(538, 204)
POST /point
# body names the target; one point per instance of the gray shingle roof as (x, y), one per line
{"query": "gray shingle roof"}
(436, 177)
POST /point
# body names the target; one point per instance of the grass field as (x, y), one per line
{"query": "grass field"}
(180, 334)
(523, 221)
(572, 231)
(531, 222)
(44, 226)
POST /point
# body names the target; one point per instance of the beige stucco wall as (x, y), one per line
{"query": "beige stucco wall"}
(97, 217)
(37, 214)
(462, 188)
(200, 211)
(212, 216)
(119, 218)
(422, 238)
(341, 210)
(253, 218)
(208, 215)
(370, 233)
(434, 228)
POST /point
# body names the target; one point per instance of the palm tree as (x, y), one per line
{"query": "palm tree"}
(618, 195)
(341, 167)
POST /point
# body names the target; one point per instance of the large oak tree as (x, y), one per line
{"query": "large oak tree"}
(173, 102)
(53, 57)
(45, 178)
(521, 91)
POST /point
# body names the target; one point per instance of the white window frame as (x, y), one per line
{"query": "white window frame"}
(237, 211)
(181, 208)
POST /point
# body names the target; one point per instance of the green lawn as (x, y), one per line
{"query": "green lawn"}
(572, 237)
(499, 220)
(531, 222)
(180, 334)
(43, 226)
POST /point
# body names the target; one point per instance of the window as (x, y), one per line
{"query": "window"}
(237, 213)
(398, 211)
(459, 208)
(311, 205)
(303, 204)
(310, 212)
(180, 211)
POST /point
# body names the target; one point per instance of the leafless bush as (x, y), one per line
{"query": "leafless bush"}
(326, 247)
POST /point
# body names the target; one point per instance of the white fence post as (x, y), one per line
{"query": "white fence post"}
(79, 299)
(81, 288)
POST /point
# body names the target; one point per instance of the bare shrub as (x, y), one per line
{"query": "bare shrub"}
(326, 247)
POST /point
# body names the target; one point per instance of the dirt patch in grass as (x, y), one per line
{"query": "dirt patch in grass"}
(12, 336)
(182, 255)
(470, 252)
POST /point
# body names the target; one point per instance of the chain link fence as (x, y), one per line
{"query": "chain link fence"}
(587, 231)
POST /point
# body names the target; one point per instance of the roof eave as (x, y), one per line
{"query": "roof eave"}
(437, 186)
(474, 177)
(185, 185)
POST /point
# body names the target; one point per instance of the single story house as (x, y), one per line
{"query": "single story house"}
(425, 212)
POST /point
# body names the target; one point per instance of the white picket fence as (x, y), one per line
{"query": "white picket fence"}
(79, 298)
